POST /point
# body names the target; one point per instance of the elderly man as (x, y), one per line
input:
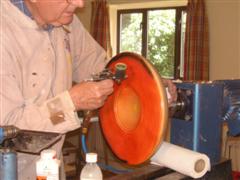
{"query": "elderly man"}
(44, 48)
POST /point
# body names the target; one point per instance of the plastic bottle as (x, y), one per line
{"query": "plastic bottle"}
(47, 167)
(91, 170)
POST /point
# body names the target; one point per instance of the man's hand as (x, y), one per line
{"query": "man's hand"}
(172, 90)
(90, 95)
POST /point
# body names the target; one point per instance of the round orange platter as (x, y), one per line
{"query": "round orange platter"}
(134, 117)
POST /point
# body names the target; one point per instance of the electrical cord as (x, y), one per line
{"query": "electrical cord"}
(84, 146)
(103, 166)
(114, 170)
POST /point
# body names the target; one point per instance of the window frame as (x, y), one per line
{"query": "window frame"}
(177, 53)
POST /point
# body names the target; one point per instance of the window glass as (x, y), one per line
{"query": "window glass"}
(131, 32)
(161, 40)
(157, 34)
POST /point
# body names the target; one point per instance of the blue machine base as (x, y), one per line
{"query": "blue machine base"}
(199, 126)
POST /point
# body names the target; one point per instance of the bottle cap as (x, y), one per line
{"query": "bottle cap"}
(91, 157)
(48, 154)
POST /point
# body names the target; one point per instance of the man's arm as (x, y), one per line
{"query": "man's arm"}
(31, 113)
(172, 90)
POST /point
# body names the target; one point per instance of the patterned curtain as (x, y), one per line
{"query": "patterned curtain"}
(196, 52)
(100, 29)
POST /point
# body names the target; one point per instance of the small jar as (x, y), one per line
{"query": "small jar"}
(47, 167)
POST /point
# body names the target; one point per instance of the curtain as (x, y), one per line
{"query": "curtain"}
(196, 50)
(100, 29)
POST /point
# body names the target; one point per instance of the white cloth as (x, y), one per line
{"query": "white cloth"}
(185, 161)
(37, 68)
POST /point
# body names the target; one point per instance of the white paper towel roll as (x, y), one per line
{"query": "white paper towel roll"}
(182, 160)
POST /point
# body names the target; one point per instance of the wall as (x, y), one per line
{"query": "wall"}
(224, 22)
(238, 23)
(85, 14)
(224, 27)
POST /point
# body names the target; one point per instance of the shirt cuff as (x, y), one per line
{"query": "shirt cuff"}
(58, 106)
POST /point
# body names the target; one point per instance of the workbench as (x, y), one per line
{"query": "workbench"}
(219, 171)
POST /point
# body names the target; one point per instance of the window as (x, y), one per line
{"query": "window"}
(157, 34)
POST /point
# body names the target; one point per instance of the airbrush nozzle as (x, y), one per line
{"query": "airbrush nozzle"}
(120, 73)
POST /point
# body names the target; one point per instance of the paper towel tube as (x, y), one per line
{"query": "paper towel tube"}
(182, 160)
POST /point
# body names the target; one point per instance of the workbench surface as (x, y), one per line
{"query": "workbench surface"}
(219, 171)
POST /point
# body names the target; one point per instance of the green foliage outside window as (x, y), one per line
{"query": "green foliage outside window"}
(131, 33)
(160, 39)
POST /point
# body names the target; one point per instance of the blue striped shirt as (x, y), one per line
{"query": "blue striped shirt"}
(22, 7)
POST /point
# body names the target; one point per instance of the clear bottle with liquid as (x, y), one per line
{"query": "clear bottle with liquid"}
(91, 171)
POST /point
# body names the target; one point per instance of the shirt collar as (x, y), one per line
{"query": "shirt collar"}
(20, 4)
